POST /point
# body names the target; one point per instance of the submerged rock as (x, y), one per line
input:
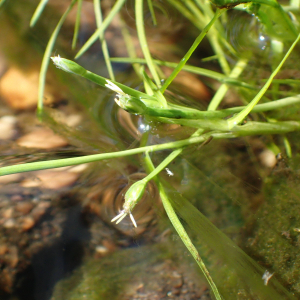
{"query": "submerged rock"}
(146, 272)
(275, 233)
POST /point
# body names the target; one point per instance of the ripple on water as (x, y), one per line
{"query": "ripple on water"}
(107, 199)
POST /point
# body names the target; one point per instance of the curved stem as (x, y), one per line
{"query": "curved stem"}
(181, 231)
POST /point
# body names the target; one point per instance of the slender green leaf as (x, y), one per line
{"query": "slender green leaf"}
(77, 23)
(241, 116)
(98, 14)
(39, 10)
(150, 4)
(139, 17)
(46, 57)
(116, 8)
(190, 51)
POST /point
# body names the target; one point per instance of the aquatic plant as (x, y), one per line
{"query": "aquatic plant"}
(210, 124)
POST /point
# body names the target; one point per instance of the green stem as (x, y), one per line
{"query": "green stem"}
(98, 15)
(169, 159)
(163, 164)
(74, 68)
(191, 50)
(118, 5)
(37, 13)
(250, 128)
(51, 164)
(185, 113)
(174, 111)
(46, 58)
(191, 69)
(139, 16)
(130, 49)
(181, 231)
(77, 24)
(219, 95)
(241, 116)
(287, 146)
(150, 5)
(213, 36)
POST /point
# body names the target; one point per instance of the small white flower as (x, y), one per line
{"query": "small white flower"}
(121, 96)
(114, 88)
(60, 63)
(122, 215)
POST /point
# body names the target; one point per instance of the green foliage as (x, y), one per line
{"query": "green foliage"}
(153, 104)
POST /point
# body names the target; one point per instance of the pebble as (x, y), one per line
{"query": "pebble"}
(16, 197)
(7, 213)
(101, 250)
(10, 178)
(55, 179)
(109, 245)
(24, 207)
(7, 278)
(10, 223)
(26, 94)
(12, 258)
(51, 180)
(3, 249)
(40, 210)
(42, 138)
(8, 127)
(268, 158)
(27, 223)
(69, 120)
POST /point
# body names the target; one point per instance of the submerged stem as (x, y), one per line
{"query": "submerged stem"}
(181, 231)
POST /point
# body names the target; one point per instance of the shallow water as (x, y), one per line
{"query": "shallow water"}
(224, 183)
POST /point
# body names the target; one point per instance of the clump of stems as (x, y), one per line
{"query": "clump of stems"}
(209, 124)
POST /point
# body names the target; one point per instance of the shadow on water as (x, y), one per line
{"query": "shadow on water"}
(55, 262)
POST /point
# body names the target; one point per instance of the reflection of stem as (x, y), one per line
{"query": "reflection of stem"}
(181, 231)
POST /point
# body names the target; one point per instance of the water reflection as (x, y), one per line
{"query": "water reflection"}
(254, 42)
(107, 198)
